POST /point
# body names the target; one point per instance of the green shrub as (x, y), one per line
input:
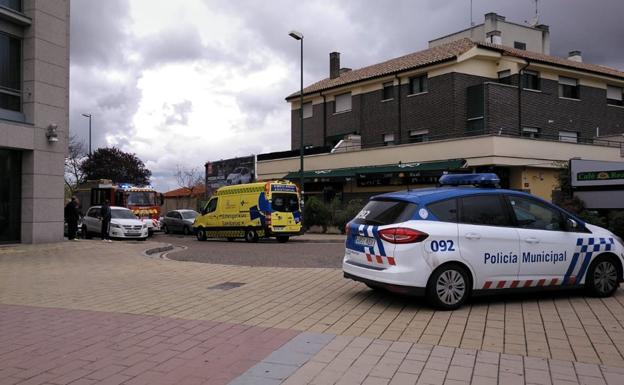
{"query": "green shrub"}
(616, 223)
(347, 212)
(593, 217)
(316, 213)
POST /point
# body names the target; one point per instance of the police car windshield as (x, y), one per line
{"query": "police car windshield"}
(284, 202)
(385, 212)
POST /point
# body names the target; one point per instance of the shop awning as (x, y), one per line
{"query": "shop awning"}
(349, 172)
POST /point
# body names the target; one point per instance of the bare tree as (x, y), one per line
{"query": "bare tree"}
(189, 178)
(76, 155)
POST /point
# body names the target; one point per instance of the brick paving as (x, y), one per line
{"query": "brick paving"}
(59, 346)
(117, 280)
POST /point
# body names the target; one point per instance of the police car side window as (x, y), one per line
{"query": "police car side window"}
(532, 214)
(486, 210)
(445, 211)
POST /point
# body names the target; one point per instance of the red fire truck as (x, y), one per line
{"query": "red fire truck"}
(144, 202)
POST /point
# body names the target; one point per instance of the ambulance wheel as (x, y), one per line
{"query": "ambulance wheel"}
(251, 235)
(448, 287)
(201, 235)
(602, 277)
(165, 229)
(230, 239)
(282, 238)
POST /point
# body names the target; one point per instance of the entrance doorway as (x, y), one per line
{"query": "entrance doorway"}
(10, 195)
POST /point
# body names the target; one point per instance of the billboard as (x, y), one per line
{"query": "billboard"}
(599, 184)
(230, 172)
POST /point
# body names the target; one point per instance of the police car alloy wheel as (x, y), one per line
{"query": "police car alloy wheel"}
(201, 235)
(602, 277)
(448, 287)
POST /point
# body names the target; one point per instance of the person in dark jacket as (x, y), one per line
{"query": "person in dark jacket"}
(72, 214)
(105, 214)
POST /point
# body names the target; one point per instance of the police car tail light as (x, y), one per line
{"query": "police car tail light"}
(402, 235)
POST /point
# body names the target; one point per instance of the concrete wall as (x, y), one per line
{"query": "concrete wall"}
(478, 151)
(45, 101)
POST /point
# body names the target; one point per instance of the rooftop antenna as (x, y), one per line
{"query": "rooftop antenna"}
(535, 20)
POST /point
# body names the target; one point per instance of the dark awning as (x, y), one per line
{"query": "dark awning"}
(341, 173)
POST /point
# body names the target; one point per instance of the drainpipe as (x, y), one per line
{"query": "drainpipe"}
(324, 119)
(399, 106)
(520, 96)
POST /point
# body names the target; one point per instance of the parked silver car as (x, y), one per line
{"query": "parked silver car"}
(239, 175)
(179, 221)
(124, 224)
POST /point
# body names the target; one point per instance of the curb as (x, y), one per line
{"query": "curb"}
(160, 249)
(317, 240)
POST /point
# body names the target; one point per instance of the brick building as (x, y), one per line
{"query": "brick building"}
(34, 100)
(459, 88)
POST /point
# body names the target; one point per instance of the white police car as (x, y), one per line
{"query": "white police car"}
(469, 237)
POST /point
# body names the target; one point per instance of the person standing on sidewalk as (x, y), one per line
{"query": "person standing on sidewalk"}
(72, 214)
(105, 214)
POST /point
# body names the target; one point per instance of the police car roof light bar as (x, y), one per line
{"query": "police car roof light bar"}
(480, 180)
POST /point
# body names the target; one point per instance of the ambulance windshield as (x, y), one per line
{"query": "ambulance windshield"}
(285, 202)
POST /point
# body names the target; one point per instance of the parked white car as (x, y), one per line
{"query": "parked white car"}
(124, 224)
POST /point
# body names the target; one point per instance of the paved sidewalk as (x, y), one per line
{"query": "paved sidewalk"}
(88, 295)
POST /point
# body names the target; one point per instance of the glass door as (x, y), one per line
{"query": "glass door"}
(10, 191)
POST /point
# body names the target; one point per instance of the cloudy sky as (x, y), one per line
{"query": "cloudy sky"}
(186, 82)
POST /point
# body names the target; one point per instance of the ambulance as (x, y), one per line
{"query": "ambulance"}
(251, 211)
(468, 237)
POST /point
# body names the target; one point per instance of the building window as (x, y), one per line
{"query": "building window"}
(343, 102)
(504, 77)
(568, 136)
(614, 95)
(531, 132)
(520, 45)
(418, 84)
(388, 91)
(568, 88)
(10, 73)
(531, 80)
(307, 110)
(388, 139)
(417, 136)
(15, 5)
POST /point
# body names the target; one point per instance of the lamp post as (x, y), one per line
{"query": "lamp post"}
(299, 36)
(89, 116)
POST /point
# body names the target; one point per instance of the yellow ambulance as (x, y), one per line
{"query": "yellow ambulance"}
(251, 211)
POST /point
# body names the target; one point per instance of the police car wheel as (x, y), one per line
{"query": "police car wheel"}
(448, 287)
(602, 277)
(201, 235)
(251, 235)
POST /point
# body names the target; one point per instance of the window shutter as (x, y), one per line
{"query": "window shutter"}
(614, 93)
(568, 81)
(343, 102)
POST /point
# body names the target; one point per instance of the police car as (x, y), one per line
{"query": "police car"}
(469, 237)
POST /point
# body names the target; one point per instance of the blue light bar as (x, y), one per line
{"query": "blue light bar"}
(482, 180)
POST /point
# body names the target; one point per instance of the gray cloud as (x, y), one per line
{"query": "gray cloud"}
(179, 113)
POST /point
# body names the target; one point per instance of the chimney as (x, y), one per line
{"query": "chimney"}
(334, 65)
(494, 37)
(575, 56)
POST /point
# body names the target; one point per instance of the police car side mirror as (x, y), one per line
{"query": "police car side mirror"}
(572, 224)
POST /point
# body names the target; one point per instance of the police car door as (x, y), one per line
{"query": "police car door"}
(488, 241)
(546, 248)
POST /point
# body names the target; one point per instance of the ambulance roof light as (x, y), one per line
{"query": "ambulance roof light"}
(480, 180)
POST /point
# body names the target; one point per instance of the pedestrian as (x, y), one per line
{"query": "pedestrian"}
(72, 214)
(105, 215)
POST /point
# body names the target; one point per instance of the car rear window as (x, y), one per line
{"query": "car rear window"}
(385, 212)
(284, 202)
(445, 211)
(485, 210)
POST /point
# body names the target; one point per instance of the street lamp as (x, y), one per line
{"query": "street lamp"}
(299, 36)
(89, 116)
